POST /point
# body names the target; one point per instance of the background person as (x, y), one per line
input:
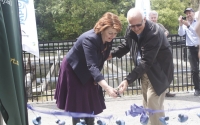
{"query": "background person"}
(198, 22)
(153, 60)
(80, 81)
(187, 27)
(198, 28)
(153, 16)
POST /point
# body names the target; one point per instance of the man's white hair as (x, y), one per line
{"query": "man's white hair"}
(131, 12)
(153, 12)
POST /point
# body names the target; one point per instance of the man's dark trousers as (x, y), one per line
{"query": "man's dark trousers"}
(194, 62)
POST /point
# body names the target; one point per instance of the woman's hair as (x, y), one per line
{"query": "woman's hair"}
(108, 20)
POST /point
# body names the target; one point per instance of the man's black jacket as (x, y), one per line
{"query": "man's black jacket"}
(87, 56)
(156, 56)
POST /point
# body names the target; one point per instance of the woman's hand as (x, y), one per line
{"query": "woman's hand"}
(110, 90)
(109, 57)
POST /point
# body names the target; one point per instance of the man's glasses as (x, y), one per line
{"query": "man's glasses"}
(137, 25)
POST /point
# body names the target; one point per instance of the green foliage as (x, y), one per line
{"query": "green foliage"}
(124, 24)
(124, 6)
(194, 4)
(169, 11)
(67, 19)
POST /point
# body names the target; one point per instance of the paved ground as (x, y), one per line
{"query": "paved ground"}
(117, 108)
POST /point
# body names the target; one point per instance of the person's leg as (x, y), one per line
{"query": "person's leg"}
(168, 94)
(194, 63)
(75, 120)
(89, 120)
(152, 101)
(144, 84)
(155, 102)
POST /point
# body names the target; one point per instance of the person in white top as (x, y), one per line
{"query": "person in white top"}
(187, 27)
(198, 28)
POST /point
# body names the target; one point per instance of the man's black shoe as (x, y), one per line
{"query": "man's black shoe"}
(197, 93)
(170, 95)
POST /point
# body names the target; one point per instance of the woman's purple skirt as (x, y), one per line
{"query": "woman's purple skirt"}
(73, 96)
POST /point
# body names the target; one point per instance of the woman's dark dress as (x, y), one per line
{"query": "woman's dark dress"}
(71, 93)
(73, 96)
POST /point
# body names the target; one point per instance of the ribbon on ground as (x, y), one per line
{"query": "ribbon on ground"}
(70, 114)
(138, 110)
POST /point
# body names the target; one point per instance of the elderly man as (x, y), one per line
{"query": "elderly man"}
(153, 16)
(187, 27)
(152, 57)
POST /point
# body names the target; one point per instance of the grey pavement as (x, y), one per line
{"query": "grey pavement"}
(118, 106)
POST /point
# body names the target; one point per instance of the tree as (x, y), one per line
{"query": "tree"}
(194, 4)
(169, 11)
(67, 19)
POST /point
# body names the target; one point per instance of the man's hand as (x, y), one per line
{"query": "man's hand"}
(123, 86)
(166, 33)
(181, 21)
